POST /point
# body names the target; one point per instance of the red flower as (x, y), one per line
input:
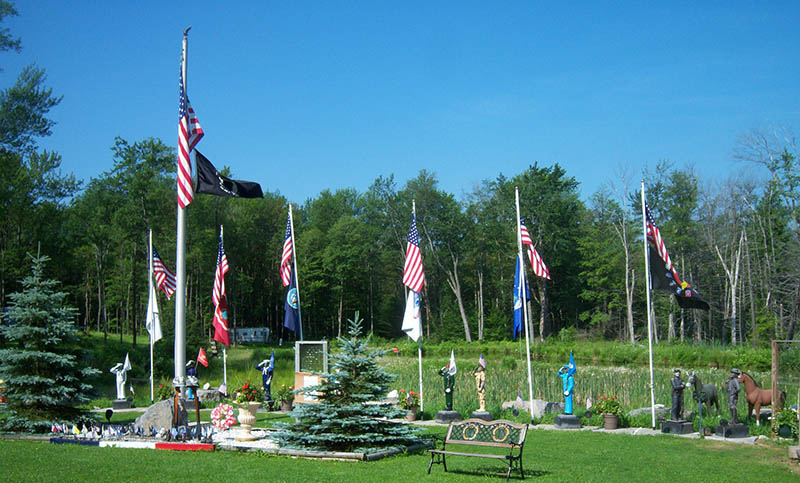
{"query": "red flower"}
(395, 350)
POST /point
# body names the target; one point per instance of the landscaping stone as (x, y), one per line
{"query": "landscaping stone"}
(161, 415)
(485, 415)
(661, 412)
(209, 395)
(447, 416)
(540, 407)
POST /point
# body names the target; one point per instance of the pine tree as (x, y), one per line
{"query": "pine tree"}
(342, 420)
(44, 379)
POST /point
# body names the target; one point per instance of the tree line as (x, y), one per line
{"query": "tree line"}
(735, 239)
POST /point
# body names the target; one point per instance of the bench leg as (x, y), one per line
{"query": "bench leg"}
(521, 471)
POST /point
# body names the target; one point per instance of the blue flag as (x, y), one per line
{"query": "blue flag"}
(572, 369)
(290, 306)
(518, 316)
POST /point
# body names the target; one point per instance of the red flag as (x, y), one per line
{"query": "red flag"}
(201, 358)
(218, 296)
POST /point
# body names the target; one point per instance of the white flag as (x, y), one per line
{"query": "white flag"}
(127, 365)
(153, 319)
(412, 322)
(452, 366)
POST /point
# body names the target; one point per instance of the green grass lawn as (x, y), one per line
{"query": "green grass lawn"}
(549, 456)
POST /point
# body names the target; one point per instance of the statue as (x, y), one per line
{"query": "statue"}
(267, 367)
(448, 374)
(120, 371)
(191, 379)
(677, 395)
(480, 382)
(566, 373)
(733, 387)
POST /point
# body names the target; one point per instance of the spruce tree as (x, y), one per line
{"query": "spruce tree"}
(45, 380)
(342, 420)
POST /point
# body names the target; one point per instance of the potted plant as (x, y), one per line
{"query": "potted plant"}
(249, 399)
(786, 421)
(611, 410)
(285, 395)
(410, 402)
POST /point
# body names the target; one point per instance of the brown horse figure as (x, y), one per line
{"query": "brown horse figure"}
(757, 397)
(709, 391)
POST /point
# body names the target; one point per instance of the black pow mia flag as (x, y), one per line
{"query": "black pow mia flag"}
(663, 279)
(211, 182)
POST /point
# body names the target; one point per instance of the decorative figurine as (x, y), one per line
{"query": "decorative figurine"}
(267, 367)
(733, 387)
(120, 371)
(677, 395)
(480, 382)
(191, 379)
(448, 374)
(566, 374)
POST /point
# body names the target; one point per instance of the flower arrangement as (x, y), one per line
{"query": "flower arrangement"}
(248, 393)
(285, 393)
(609, 405)
(222, 417)
(408, 400)
(165, 392)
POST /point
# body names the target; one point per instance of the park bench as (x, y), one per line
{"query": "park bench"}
(488, 434)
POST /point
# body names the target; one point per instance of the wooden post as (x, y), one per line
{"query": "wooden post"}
(775, 408)
(197, 412)
(175, 405)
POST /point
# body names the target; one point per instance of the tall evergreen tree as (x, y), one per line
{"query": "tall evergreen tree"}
(44, 378)
(342, 420)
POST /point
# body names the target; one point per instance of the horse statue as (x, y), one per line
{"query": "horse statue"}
(757, 397)
(709, 391)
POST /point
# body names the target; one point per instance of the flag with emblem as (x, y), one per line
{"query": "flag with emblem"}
(521, 294)
(290, 306)
(202, 358)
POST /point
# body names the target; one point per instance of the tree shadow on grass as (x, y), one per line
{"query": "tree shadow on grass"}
(486, 471)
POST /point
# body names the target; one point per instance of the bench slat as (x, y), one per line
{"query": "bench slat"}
(456, 453)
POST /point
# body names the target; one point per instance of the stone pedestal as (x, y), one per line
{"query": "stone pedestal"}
(733, 430)
(122, 404)
(567, 421)
(447, 417)
(681, 426)
(485, 415)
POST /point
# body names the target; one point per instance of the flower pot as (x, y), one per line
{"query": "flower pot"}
(411, 415)
(610, 421)
(286, 405)
(247, 416)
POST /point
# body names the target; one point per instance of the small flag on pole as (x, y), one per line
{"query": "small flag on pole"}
(412, 324)
(165, 279)
(202, 358)
(220, 322)
(451, 368)
(153, 321)
(127, 365)
(413, 274)
(286, 256)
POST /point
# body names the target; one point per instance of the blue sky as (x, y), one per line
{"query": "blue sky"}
(303, 96)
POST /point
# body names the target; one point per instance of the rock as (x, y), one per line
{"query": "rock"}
(540, 408)
(206, 385)
(160, 415)
(661, 412)
(209, 395)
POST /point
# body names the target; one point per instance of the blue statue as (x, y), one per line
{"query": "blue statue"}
(191, 379)
(566, 374)
(267, 366)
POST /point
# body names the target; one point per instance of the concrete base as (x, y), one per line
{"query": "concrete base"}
(733, 430)
(567, 421)
(485, 415)
(447, 417)
(794, 452)
(677, 427)
(122, 404)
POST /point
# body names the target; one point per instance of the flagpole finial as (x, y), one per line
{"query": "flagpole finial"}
(186, 32)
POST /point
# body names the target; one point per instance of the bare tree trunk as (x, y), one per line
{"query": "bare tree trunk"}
(341, 304)
(671, 326)
(733, 278)
(480, 305)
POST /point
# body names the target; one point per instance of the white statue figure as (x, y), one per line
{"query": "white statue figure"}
(120, 370)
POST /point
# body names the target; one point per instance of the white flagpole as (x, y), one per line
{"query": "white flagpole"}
(224, 352)
(296, 277)
(419, 339)
(149, 307)
(524, 302)
(180, 268)
(649, 314)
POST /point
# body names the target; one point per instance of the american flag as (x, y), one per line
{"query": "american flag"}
(413, 274)
(537, 264)
(189, 134)
(165, 279)
(654, 237)
(286, 257)
(220, 322)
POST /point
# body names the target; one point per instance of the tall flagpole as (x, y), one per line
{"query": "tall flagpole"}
(224, 352)
(524, 304)
(180, 266)
(296, 278)
(419, 339)
(649, 312)
(149, 307)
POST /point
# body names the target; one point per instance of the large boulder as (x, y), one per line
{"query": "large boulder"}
(210, 395)
(661, 411)
(540, 407)
(162, 415)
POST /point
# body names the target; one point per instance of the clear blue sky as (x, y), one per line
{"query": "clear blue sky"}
(303, 96)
